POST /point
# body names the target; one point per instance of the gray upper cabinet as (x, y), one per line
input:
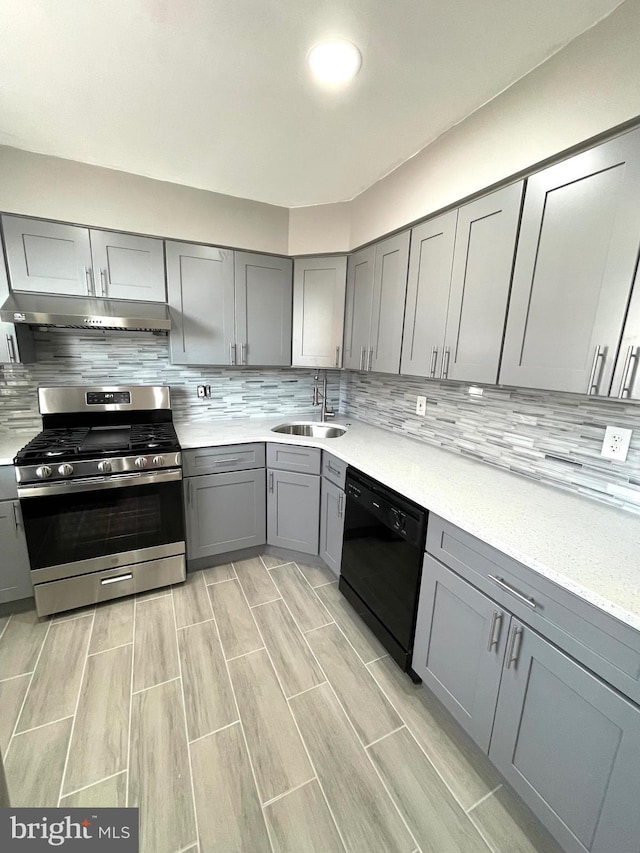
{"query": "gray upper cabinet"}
(459, 647)
(128, 267)
(569, 745)
(626, 379)
(47, 257)
(15, 579)
(293, 510)
(430, 264)
(574, 268)
(318, 311)
(263, 294)
(486, 234)
(201, 298)
(387, 314)
(359, 304)
(332, 501)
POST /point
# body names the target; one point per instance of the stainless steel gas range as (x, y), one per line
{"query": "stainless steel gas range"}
(100, 492)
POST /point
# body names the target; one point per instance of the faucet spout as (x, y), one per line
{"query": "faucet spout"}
(325, 411)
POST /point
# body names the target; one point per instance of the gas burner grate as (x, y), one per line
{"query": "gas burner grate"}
(51, 443)
(153, 437)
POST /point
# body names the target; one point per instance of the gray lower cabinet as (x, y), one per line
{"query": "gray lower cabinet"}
(459, 647)
(224, 512)
(15, 580)
(263, 299)
(293, 510)
(16, 344)
(318, 311)
(126, 266)
(200, 281)
(332, 500)
(575, 263)
(569, 745)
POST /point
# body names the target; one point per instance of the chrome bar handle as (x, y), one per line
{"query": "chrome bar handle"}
(16, 519)
(362, 352)
(370, 359)
(630, 359)
(226, 461)
(338, 356)
(271, 481)
(87, 275)
(513, 654)
(232, 353)
(103, 281)
(126, 577)
(434, 361)
(593, 384)
(341, 505)
(243, 353)
(445, 363)
(11, 349)
(496, 620)
(501, 582)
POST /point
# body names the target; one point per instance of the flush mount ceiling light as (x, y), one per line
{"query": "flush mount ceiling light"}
(334, 62)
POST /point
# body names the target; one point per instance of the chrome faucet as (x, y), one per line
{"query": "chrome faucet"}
(325, 412)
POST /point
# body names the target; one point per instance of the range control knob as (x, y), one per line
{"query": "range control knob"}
(158, 460)
(66, 470)
(141, 462)
(104, 467)
(43, 472)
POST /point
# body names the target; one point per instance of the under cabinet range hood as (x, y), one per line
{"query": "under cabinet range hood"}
(75, 312)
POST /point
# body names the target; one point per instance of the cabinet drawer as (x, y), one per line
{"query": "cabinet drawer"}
(218, 460)
(8, 486)
(288, 457)
(334, 469)
(605, 645)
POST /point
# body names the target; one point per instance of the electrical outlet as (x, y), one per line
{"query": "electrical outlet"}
(616, 443)
(421, 406)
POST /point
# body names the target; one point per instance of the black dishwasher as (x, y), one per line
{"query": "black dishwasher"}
(382, 553)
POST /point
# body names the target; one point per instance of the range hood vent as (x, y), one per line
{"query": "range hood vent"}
(74, 312)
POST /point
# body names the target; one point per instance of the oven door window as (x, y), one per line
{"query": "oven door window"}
(86, 525)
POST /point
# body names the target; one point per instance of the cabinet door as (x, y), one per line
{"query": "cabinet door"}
(47, 257)
(429, 282)
(264, 294)
(200, 285)
(293, 510)
(224, 512)
(16, 344)
(482, 265)
(359, 302)
(387, 315)
(626, 379)
(569, 745)
(318, 311)
(128, 267)
(574, 267)
(459, 647)
(331, 525)
(15, 579)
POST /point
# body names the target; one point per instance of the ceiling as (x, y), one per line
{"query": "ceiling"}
(215, 94)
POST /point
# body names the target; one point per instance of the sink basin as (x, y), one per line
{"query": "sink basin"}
(312, 429)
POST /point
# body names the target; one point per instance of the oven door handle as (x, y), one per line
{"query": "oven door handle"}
(94, 484)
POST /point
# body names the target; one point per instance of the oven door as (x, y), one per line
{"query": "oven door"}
(82, 526)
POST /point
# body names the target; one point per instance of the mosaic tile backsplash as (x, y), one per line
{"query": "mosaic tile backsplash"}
(551, 437)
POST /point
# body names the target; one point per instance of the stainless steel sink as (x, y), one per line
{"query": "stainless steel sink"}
(311, 429)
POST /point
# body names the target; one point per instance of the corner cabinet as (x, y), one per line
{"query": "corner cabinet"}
(318, 311)
(376, 289)
(51, 257)
(293, 497)
(459, 277)
(575, 263)
(263, 293)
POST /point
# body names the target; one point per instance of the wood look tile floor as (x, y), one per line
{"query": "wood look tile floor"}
(247, 710)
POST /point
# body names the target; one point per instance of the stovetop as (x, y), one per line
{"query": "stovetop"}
(76, 443)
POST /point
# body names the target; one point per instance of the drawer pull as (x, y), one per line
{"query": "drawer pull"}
(496, 621)
(514, 653)
(335, 470)
(105, 581)
(525, 599)
(225, 461)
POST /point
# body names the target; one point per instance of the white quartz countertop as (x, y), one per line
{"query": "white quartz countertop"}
(584, 546)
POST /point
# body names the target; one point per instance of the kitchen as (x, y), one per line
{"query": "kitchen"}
(260, 612)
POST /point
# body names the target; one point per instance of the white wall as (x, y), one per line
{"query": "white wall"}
(590, 86)
(50, 187)
(321, 228)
